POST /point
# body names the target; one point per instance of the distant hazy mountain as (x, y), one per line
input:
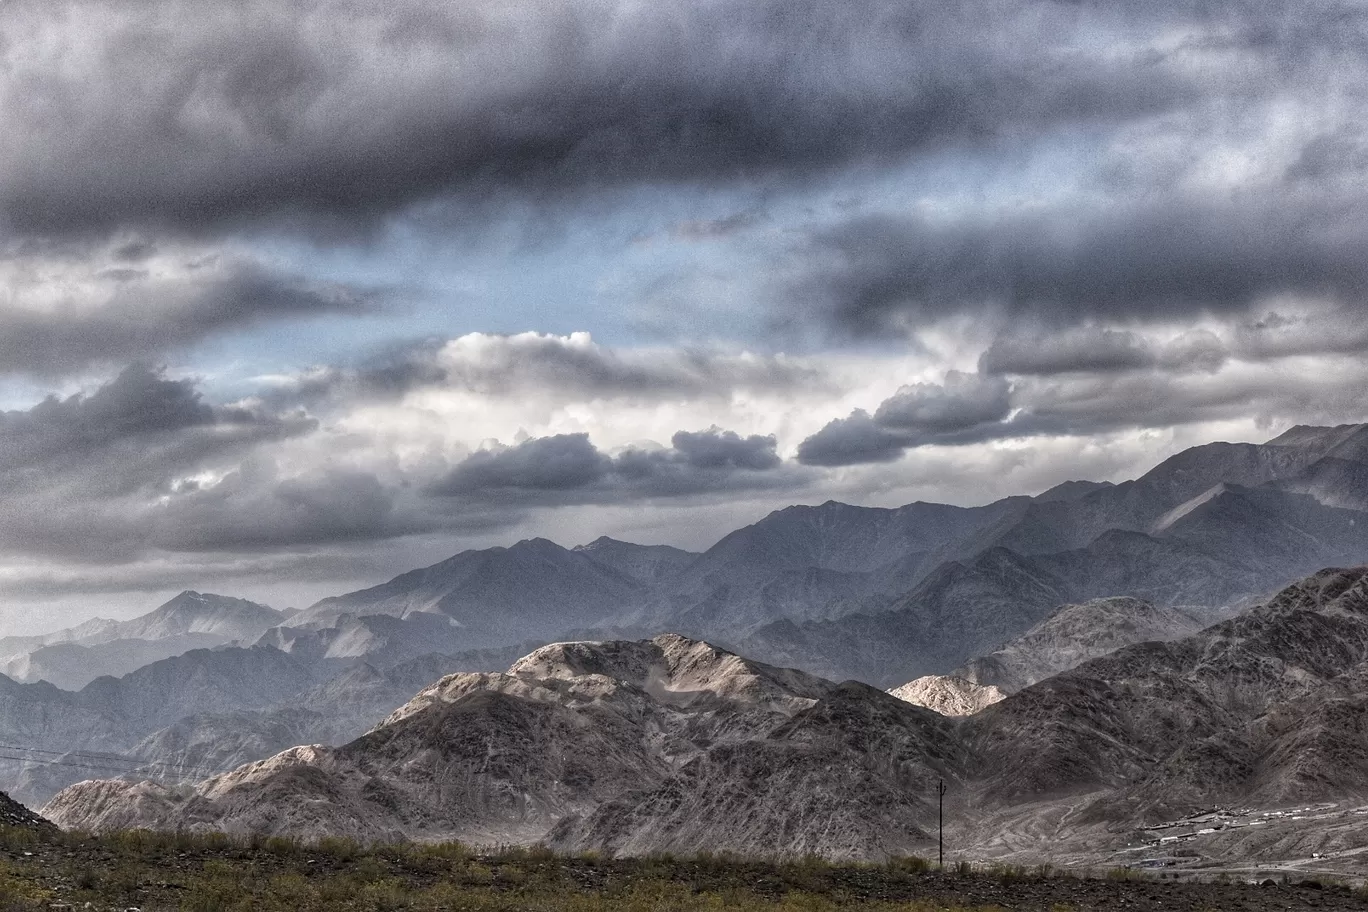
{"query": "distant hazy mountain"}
(190, 613)
(72, 666)
(498, 596)
(74, 657)
(805, 563)
(643, 563)
(885, 595)
(1218, 525)
(1073, 634)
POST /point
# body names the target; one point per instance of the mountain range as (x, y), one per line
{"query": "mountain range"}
(883, 595)
(671, 744)
(1006, 595)
(74, 657)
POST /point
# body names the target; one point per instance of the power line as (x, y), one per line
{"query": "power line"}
(97, 755)
(78, 759)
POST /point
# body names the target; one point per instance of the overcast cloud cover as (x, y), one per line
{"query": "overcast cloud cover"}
(295, 296)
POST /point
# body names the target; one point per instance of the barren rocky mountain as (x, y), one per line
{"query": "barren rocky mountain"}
(14, 814)
(591, 739)
(842, 592)
(1073, 634)
(644, 563)
(1263, 710)
(202, 711)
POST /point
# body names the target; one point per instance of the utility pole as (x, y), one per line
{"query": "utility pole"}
(940, 791)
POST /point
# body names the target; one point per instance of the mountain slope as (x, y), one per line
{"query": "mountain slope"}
(804, 563)
(644, 563)
(1072, 635)
(960, 610)
(498, 597)
(1182, 723)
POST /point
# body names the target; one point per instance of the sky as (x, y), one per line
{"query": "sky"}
(296, 295)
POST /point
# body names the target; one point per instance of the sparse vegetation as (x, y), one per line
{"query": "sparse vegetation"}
(212, 872)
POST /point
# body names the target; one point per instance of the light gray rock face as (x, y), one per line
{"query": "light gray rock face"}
(1073, 634)
(948, 695)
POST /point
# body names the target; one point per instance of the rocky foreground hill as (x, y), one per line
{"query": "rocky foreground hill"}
(675, 745)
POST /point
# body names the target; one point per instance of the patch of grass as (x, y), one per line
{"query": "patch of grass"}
(909, 864)
(215, 873)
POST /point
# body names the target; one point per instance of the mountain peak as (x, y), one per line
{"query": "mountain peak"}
(536, 544)
(603, 541)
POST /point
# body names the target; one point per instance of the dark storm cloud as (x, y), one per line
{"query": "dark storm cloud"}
(65, 315)
(233, 113)
(137, 427)
(87, 475)
(568, 468)
(965, 408)
(253, 509)
(719, 449)
(1329, 156)
(1171, 260)
(558, 463)
(1086, 405)
(550, 365)
(1044, 352)
(1279, 335)
(962, 401)
(144, 465)
(854, 440)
